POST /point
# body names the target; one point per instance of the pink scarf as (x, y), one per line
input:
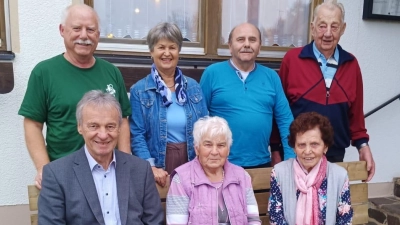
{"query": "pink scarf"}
(307, 208)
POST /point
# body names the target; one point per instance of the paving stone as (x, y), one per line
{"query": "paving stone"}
(392, 208)
(377, 215)
(397, 187)
(383, 201)
(393, 220)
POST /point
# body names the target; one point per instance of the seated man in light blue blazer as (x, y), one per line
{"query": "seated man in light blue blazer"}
(99, 184)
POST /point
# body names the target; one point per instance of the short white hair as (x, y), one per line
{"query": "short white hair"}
(100, 100)
(330, 4)
(211, 126)
(66, 11)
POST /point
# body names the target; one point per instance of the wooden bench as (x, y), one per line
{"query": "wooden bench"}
(261, 183)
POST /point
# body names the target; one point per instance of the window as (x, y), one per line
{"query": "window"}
(3, 30)
(205, 24)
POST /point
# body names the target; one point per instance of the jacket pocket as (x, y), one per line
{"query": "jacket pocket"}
(195, 103)
(147, 103)
(199, 214)
(196, 98)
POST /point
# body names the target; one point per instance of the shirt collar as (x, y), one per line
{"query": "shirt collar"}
(92, 161)
(236, 68)
(318, 54)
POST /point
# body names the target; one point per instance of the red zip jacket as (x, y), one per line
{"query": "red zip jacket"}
(342, 103)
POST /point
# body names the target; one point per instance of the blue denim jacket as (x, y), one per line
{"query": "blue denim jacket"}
(148, 123)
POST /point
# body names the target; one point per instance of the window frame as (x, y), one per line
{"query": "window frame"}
(3, 30)
(209, 36)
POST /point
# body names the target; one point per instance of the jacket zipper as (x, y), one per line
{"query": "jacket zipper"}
(216, 189)
(327, 95)
(227, 211)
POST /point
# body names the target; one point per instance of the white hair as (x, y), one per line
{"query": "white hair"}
(330, 4)
(65, 13)
(100, 99)
(211, 126)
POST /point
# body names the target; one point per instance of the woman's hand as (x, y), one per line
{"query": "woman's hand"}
(160, 176)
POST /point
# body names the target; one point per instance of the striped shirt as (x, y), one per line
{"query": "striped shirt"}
(328, 66)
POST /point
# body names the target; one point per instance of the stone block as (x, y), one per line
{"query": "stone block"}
(377, 215)
(392, 208)
(393, 220)
(383, 201)
(396, 190)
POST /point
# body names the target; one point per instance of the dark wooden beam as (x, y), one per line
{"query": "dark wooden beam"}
(6, 77)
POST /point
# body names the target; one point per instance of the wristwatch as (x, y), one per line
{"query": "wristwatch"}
(362, 145)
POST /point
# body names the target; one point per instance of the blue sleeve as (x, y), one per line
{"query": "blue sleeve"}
(275, 204)
(344, 214)
(204, 109)
(283, 116)
(206, 87)
(137, 125)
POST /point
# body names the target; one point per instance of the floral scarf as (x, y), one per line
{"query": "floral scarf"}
(165, 91)
(307, 208)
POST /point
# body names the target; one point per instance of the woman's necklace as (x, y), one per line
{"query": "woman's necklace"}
(222, 182)
(171, 86)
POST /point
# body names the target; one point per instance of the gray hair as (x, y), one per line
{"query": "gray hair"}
(99, 99)
(169, 31)
(233, 29)
(330, 4)
(65, 13)
(212, 126)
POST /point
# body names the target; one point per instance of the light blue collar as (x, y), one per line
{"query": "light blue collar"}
(93, 162)
(318, 54)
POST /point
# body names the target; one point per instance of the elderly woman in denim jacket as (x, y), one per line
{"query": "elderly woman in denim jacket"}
(165, 104)
(309, 190)
(209, 189)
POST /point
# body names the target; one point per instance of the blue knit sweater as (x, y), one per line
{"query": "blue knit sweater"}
(249, 107)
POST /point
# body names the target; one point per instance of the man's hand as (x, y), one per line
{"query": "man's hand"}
(275, 158)
(366, 155)
(160, 176)
(38, 179)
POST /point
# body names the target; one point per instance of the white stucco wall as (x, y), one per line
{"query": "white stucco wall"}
(374, 43)
(39, 39)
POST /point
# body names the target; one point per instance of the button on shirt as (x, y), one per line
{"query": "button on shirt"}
(241, 74)
(328, 66)
(106, 187)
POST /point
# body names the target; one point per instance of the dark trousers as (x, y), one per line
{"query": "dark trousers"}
(335, 158)
(265, 165)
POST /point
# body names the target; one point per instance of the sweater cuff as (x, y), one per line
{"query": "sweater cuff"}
(359, 142)
(151, 161)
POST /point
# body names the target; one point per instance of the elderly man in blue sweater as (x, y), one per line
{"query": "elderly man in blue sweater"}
(248, 95)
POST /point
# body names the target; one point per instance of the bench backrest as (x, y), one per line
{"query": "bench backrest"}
(261, 183)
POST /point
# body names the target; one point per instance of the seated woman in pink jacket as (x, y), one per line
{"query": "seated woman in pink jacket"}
(209, 189)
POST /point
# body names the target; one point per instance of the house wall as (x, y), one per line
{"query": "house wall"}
(374, 43)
